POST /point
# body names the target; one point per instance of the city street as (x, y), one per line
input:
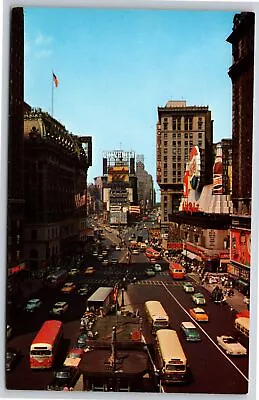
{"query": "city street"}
(209, 364)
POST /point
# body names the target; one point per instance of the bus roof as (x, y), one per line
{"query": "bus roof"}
(156, 309)
(244, 321)
(100, 294)
(176, 265)
(48, 332)
(170, 346)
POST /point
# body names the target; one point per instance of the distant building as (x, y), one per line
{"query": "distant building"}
(179, 128)
(55, 171)
(119, 185)
(241, 73)
(145, 186)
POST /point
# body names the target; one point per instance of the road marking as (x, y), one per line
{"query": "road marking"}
(205, 333)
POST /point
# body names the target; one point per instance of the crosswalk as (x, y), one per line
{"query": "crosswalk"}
(158, 283)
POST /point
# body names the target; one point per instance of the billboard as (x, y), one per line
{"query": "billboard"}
(118, 174)
(217, 172)
(195, 167)
(240, 246)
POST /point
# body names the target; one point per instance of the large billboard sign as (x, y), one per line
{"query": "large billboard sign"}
(217, 171)
(118, 174)
(195, 167)
(240, 246)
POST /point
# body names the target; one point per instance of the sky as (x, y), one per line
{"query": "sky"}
(116, 67)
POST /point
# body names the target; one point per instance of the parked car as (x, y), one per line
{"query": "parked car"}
(74, 357)
(199, 314)
(188, 287)
(150, 272)
(95, 253)
(64, 377)
(82, 341)
(10, 359)
(114, 261)
(198, 298)
(83, 290)
(135, 251)
(117, 248)
(231, 346)
(104, 252)
(69, 287)
(100, 257)
(59, 308)
(190, 332)
(157, 268)
(33, 305)
(105, 262)
(89, 270)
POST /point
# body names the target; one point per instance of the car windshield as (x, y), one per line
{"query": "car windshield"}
(199, 295)
(73, 355)
(229, 340)
(68, 284)
(200, 312)
(62, 374)
(33, 301)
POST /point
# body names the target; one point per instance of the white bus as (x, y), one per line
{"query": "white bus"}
(103, 298)
(173, 363)
(156, 315)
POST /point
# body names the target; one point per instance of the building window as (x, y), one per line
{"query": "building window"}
(179, 151)
(174, 173)
(179, 166)
(179, 173)
(191, 135)
(179, 158)
(165, 143)
(165, 173)
(191, 143)
(174, 158)
(186, 144)
(165, 150)
(165, 158)
(165, 198)
(165, 180)
(200, 143)
(178, 143)
(174, 135)
(186, 136)
(174, 166)
(200, 135)
(165, 165)
(174, 143)
(165, 136)
(179, 135)
(200, 123)
(178, 123)
(165, 126)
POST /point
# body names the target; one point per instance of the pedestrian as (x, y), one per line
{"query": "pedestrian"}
(65, 389)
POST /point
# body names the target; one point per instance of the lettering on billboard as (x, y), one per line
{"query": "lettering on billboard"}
(188, 206)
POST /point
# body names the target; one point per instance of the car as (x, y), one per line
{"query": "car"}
(32, 305)
(59, 308)
(64, 377)
(135, 251)
(150, 272)
(190, 332)
(95, 253)
(100, 257)
(73, 272)
(152, 261)
(10, 359)
(198, 298)
(188, 287)
(73, 358)
(157, 268)
(89, 271)
(82, 341)
(69, 287)
(231, 346)
(105, 262)
(117, 248)
(8, 331)
(199, 314)
(83, 290)
(114, 261)
(104, 253)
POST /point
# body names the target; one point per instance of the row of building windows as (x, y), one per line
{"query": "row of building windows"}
(178, 124)
(183, 135)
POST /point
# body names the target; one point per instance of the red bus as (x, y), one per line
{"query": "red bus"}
(45, 344)
(151, 253)
(177, 271)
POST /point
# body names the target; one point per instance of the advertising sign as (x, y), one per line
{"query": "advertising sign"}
(195, 167)
(118, 174)
(217, 171)
(240, 246)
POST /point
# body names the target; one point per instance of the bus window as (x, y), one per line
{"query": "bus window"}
(156, 315)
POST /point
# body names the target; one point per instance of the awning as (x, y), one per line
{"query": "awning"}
(188, 254)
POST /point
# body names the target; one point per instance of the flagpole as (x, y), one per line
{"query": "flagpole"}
(52, 93)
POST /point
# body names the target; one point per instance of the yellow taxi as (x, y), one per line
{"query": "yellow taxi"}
(69, 287)
(89, 270)
(199, 314)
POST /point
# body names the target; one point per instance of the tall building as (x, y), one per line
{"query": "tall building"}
(55, 170)
(179, 128)
(119, 185)
(241, 74)
(15, 217)
(145, 185)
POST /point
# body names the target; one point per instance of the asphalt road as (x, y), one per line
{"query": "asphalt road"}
(212, 371)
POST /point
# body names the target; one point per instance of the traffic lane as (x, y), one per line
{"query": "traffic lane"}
(23, 377)
(211, 370)
(221, 320)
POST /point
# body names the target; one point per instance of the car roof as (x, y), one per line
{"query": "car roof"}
(188, 325)
(198, 309)
(33, 300)
(60, 303)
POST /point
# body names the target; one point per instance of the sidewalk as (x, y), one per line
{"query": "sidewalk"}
(236, 301)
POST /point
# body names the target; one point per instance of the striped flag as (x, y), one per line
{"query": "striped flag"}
(55, 79)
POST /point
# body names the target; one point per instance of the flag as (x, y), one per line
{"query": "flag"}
(55, 79)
